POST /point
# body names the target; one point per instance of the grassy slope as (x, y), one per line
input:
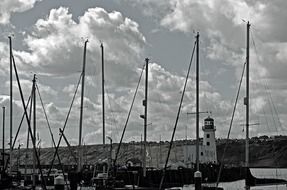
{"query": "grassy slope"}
(262, 154)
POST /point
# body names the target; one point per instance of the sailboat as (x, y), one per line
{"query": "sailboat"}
(178, 177)
(152, 178)
(250, 180)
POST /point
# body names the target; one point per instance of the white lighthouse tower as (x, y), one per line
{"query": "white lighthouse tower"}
(209, 141)
(207, 150)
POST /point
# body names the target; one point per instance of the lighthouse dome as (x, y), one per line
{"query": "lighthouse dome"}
(208, 123)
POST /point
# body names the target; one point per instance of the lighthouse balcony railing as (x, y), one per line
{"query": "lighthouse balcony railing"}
(207, 127)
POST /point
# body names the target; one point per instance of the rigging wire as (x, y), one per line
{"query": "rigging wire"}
(270, 103)
(29, 124)
(46, 117)
(274, 107)
(129, 113)
(258, 60)
(51, 133)
(109, 102)
(61, 136)
(268, 93)
(22, 119)
(257, 86)
(177, 117)
(265, 85)
(230, 126)
(28, 135)
(112, 113)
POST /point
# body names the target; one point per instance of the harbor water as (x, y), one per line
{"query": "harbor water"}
(257, 172)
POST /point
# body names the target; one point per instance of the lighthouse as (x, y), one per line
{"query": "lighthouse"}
(209, 140)
(207, 149)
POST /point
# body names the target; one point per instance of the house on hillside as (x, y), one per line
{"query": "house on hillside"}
(134, 162)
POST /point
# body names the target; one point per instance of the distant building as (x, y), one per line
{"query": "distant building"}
(207, 151)
(133, 162)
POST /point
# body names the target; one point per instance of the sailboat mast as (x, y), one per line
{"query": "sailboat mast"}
(246, 102)
(197, 102)
(81, 109)
(145, 117)
(34, 129)
(103, 93)
(28, 135)
(11, 100)
(3, 140)
(197, 174)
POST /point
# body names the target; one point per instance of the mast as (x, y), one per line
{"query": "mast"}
(43, 183)
(111, 152)
(28, 134)
(197, 174)
(246, 102)
(103, 92)
(34, 129)
(3, 140)
(197, 102)
(81, 110)
(11, 100)
(160, 154)
(145, 117)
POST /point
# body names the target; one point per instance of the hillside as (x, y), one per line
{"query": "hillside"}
(263, 153)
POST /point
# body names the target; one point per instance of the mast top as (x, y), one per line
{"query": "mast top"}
(34, 78)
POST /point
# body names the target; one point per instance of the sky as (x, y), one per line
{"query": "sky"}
(48, 38)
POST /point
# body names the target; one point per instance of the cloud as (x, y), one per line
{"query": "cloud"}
(222, 27)
(55, 52)
(8, 7)
(57, 41)
(4, 60)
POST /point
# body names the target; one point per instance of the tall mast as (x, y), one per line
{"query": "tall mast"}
(34, 129)
(246, 102)
(197, 102)
(3, 140)
(160, 154)
(28, 135)
(103, 93)
(81, 109)
(11, 100)
(145, 117)
(197, 174)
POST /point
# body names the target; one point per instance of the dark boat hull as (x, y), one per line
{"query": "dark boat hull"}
(133, 176)
(6, 181)
(178, 177)
(253, 181)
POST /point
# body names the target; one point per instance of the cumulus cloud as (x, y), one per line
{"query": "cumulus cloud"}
(55, 50)
(57, 41)
(55, 53)
(8, 7)
(222, 26)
